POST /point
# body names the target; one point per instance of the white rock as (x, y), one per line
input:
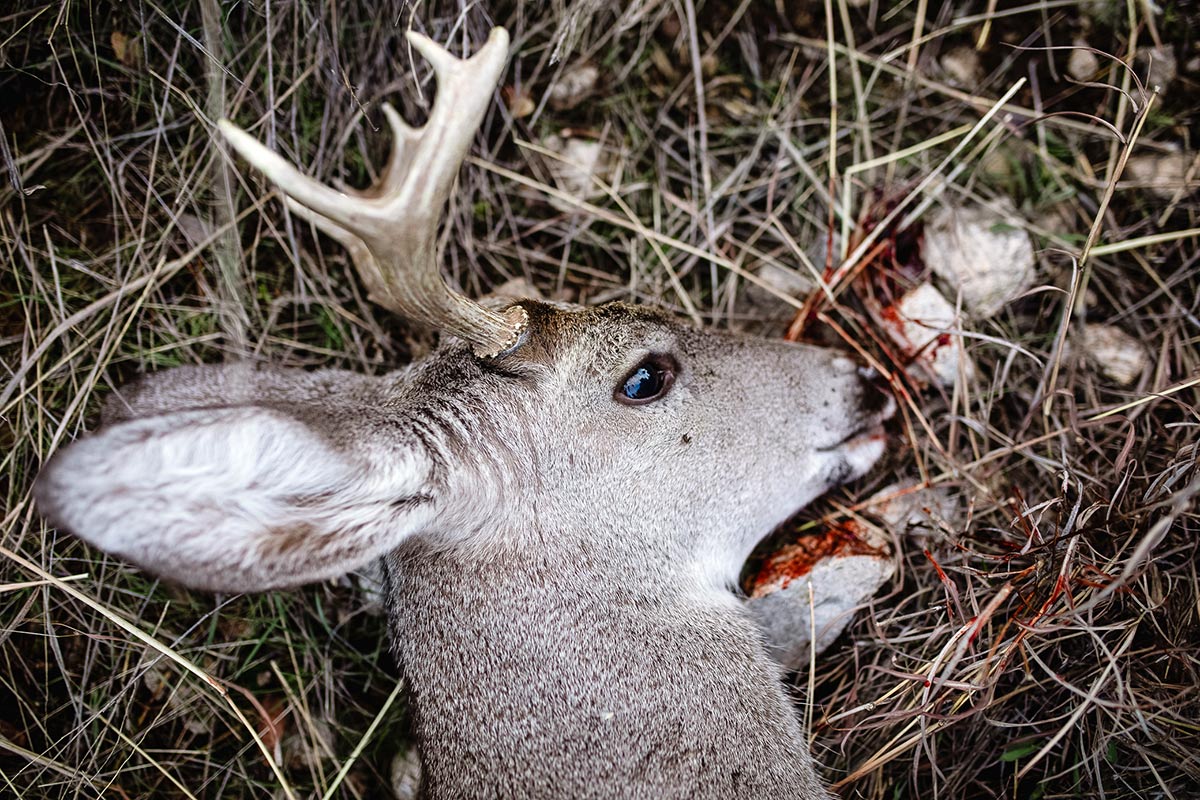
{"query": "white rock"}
(580, 160)
(1118, 355)
(912, 509)
(1158, 67)
(922, 324)
(791, 282)
(844, 567)
(985, 253)
(576, 84)
(1082, 64)
(775, 280)
(1163, 174)
(962, 67)
(406, 775)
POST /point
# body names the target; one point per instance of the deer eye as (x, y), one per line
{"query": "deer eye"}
(648, 381)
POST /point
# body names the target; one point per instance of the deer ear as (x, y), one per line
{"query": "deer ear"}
(238, 499)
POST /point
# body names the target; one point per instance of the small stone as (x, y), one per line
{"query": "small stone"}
(1161, 174)
(576, 84)
(775, 280)
(962, 67)
(983, 252)
(370, 584)
(998, 165)
(580, 162)
(308, 744)
(178, 694)
(406, 775)
(519, 103)
(763, 306)
(923, 324)
(1105, 12)
(912, 509)
(1082, 64)
(193, 228)
(1158, 67)
(1117, 355)
(1061, 220)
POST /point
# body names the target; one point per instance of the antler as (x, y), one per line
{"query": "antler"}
(390, 229)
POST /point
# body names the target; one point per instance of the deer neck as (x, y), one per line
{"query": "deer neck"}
(588, 675)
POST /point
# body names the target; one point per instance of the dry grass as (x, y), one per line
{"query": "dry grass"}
(1040, 642)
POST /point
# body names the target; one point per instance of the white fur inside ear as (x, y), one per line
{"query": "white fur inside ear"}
(235, 499)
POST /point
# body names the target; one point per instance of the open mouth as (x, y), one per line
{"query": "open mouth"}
(797, 558)
(786, 553)
(867, 434)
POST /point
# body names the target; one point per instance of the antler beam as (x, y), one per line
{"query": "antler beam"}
(390, 229)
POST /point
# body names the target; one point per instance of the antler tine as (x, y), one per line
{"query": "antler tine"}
(404, 147)
(391, 228)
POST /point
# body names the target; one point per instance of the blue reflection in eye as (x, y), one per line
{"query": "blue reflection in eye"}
(648, 381)
(642, 384)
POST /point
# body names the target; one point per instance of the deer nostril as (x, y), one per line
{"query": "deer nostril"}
(876, 399)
